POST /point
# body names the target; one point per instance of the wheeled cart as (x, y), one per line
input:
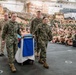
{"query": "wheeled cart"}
(25, 49)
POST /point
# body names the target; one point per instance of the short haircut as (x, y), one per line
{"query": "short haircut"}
(44, 18)
(13, 13)
(38, 11)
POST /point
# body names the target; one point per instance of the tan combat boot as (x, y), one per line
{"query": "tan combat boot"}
(13, 69)
(45, 65)
(41, 61)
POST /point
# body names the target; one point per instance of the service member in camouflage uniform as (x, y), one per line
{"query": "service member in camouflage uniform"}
(2, 23)
(10, 32)
(44, 35)
(34, 24)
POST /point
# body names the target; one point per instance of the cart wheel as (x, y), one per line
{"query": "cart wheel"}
(21, 64)
(31, 62)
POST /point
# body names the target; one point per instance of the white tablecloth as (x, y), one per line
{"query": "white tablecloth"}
(19, 57)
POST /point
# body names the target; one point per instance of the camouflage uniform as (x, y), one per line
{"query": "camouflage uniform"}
(10, 32)
(34, 24)
(44, 35)
(2, 23)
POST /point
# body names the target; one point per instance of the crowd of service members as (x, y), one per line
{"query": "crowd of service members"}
(64, 34)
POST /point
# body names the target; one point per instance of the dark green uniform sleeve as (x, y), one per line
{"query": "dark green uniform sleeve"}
(36, 30)
(4, 33)
(31, 28)
(19, 27)
(50, 34)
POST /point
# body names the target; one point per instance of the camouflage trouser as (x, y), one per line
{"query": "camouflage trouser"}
(11, 51)
(37, 48)
(2, 45)
(43, 46)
